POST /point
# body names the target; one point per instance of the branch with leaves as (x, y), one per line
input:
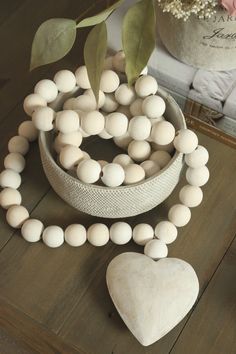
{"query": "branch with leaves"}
(55, 38)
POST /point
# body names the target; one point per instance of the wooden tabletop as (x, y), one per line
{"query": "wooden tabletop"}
(56, 301)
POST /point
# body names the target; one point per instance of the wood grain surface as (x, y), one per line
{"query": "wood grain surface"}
(56, 301)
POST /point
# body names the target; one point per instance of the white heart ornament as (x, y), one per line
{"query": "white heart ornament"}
(151, 297)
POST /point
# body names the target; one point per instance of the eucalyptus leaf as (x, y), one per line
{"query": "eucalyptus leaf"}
(102, 16)
(94, 55)
(53, 40)
(138, 37)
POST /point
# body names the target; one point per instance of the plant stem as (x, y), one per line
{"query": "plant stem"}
(88, 10)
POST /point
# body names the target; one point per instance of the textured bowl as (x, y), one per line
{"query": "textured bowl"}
(119, 202)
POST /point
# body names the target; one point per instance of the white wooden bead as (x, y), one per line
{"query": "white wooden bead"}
(144, 71)
(18, 144)
(46, 89)
(110, 103)
(142, 234)
(191, 196)
(15, 162)
(86, 156)
(139, 128)
(43, 118)
(197, 176)
(10, 178)
(116, 124)
(113, 175)
(101, 98)
(150, 167)
(162, 158)
(123, 141)
(33, 101)
(109, 81)
(93, 123)
(89, 171)
(84, 103)
(70, 103)
(166, 231)
(118, 61)
(156, 120)
(53, 236)
(123, 160)
(146, 85)
(75, 235)
(153, 106)
(82, 79)
(74, 138)
(125, 94)
(186, 141)
(179, 215)
(16, 216)
(133, 174)
(98, 234)
(67, 121)
(125, 110)
(27, 130)
(120, 233)
(139, 150)
(163, 133)
(104, 135)
(32, 230)
(108, 65)
(156, 249)
(70, 156)
(65, 80)
(198, 158)
(136, 107)
(10, 197)
(102, 163)
(168, 147)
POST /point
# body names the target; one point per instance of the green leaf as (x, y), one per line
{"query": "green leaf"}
(52, 41)
(94, 55)
(138, 37)
(102, 16)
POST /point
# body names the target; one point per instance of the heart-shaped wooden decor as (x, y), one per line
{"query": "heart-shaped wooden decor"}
(151, 297)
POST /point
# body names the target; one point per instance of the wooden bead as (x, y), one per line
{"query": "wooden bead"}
(136, 107)
(53, 236)
(118, 61)
(98, 234)
(65, 81)
(116, 124)
(144, 71)
(146, 85)
(101, 98)
(133, 174)
(84, 103)
(108, 65)
(43, 118)
(104, 135)
(10, 197)
(166, 231)
(110, 103)
(18, 144)
(109, 81)
(163, 133)
(125, 110)
(179, 215)
(46, 89)
(67, 121)
(102, 163)
(153, 106)
(93, 123)
(15, 162)
(32, 230)
(197, 176)
(150, 167)
(123, 141)
(82, 79)
(16, 216)
(142, 234)
(28, 131)
(198, 158)
(191, 196)
(33, 101)
(120, 233)
(168, 147)
(156, 249)
(74, 138)
(75, 235)
(10, 178)
(139, 150)
(88, 171)
(70, 156)
(70, 103)
(185, 141)
(162, 158)
(125, 94)
(113, 175)
(123, 160)
(139, 128)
